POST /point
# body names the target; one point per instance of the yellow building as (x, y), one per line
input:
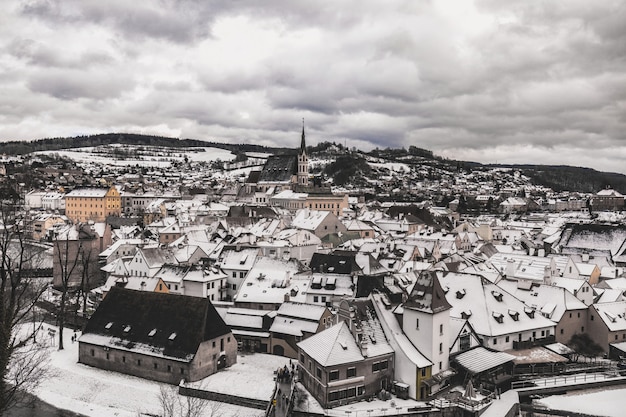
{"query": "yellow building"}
(95, 204)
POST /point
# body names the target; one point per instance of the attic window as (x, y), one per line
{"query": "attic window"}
(497, 295)
(108, 325)
(611, 316)
(152, 332)
(343, 345)
(460, 294)
(126, 329)
(529, 312)
(466, 314)
(172, 337)
(498, 316)
(514, 315)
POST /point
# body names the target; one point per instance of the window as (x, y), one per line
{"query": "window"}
(169, 368)
(440, 366)
(242, 274)
(318, 372)
(360, 390)
(592, 317)
(156, 366)
(561, 331)
(441, 329)
(182, 371)
(417, 323)
(213, 343)
(333, 375)
(234, 274)
(506, 339)
(423, 372)
(351, 372)
(93, 352)
(315, 299)
(440, 347)
(108, 356)
(495, 340)
(221, 344)
(138, 362)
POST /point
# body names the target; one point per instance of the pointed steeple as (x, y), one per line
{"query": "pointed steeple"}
(302, 143)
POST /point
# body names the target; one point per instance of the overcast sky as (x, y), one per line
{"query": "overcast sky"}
(512, 81)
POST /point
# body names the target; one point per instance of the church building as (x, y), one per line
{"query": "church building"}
(284, 182)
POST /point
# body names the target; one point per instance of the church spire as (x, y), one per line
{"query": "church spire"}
(303, 162)
(302, 143)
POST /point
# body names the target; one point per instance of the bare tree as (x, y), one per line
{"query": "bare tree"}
(175, 405)
(68, 260)
(22, 364)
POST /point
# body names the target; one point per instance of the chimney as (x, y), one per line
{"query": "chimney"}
(547, 275)
(510, 269)
(364, 346)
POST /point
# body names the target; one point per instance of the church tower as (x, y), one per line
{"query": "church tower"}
(303, 163)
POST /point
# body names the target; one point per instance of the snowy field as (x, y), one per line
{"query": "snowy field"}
(606, 402)
(97, 393)
(148, 156)
(392, 166)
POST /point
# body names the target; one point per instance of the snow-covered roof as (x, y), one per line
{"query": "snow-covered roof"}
(396, 336)
(88, 192)
(309, 219)
(333, 346)
(480, 359)
(491, 310)
(304, 311)
(613, 315)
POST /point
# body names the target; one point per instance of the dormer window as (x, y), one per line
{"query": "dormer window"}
(109, 325)
(460, 294)
(172, 337)
(126, 329)
(466, 314)
(514, 315)
(529, 312)
(498, 316)
(497, 295)
(152, 332)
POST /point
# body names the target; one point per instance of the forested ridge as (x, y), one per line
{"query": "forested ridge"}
(557, 177)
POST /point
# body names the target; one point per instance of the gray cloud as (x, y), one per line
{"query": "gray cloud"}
(515, 81)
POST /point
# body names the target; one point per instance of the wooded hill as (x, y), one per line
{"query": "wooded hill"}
(557, 177)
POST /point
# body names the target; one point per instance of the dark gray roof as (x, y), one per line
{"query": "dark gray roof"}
(279, 168)
(427, 294)
(193, 320)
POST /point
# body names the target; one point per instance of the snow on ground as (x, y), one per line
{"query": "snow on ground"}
(392, 166)
(97, 393)
(604, 402)
(251, 377)
(151, 158)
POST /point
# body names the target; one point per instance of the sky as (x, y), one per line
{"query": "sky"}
(491, 81)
